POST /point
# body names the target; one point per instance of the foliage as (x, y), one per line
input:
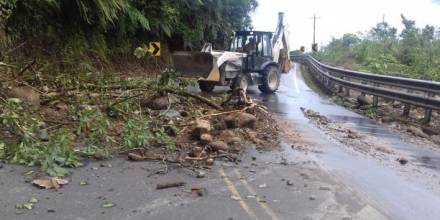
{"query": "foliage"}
(77, 30)
(413, 53)
(141, 133)
(51, 155)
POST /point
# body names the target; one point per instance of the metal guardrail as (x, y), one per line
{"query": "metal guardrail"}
(420, 93)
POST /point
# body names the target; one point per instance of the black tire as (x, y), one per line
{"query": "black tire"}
(270, 79)
(206, 86)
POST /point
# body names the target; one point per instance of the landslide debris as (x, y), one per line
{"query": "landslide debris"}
(58, 122)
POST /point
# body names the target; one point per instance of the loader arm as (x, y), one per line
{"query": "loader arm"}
(280, 44)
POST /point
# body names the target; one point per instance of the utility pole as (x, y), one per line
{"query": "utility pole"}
(314, 45)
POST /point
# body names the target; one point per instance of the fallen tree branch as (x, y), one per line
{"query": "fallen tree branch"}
(26, 67)
(200, 98)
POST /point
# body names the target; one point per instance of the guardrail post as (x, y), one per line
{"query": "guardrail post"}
(363, 83)
(347, 90)
(428, 112)
(407, 107)
(375, 97)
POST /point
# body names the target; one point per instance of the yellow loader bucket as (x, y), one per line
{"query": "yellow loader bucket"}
(196, 64)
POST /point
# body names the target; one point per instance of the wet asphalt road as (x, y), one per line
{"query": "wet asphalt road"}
(400, 194)
(334, 183)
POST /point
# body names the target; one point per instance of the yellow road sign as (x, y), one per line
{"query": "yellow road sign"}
(154, 48)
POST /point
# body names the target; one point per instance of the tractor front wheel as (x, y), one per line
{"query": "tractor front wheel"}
(270, 79)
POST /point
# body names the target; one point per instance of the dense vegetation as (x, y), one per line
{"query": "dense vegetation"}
(101, 30)
(413, 53)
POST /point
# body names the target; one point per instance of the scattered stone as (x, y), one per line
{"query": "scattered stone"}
(364, 100)
(417, 132)
(184, 113)
(196, 151)
(240, 120)
(436, 139)
(386, 119)
(324, 188)
(200, 174)
(206, 138)
(202, 127)
(402, 160)
(312, 197)
(264, 185)
(171, 131)
(233, 140)
(430, 131)
(26, 95)
(43, 135)
(200, 191)
(219, 146)
(235, 198)
(209, 162)
(289, 183)
(156, 103)
(108, 205)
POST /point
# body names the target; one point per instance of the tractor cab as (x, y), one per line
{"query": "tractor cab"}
(257, 45)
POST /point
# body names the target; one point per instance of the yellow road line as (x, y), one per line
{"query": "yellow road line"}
(234, 192)
(251, 190)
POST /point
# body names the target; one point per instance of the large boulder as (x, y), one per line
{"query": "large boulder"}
(219, 146)
(26, 95)
(364, 100)
(240, 120)
(202, 127)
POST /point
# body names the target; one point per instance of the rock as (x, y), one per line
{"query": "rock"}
(324, 188)
(289, 183)
(436, 139)
(430, 130)
(417, 132)
(200, 174)
(364, 100)
(226, 134)
(156, 103)
(184, 113)
(312, 197)
(43, 135)
(386, 119)
(61, 106)
(26, 95)
(196, 152)
(1, 166)
(206, 138)
(233, 140)
(240, 120)
(202, 127)
(219, 146)
(171, 130)
(210, 162)
(254, 158)
(402, 160)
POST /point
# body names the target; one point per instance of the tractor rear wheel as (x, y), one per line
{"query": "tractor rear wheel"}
(270, 79)
(206, 86)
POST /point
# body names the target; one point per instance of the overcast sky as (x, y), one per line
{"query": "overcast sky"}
(341, 16)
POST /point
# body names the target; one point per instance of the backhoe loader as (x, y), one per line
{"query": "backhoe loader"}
(254, 58)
